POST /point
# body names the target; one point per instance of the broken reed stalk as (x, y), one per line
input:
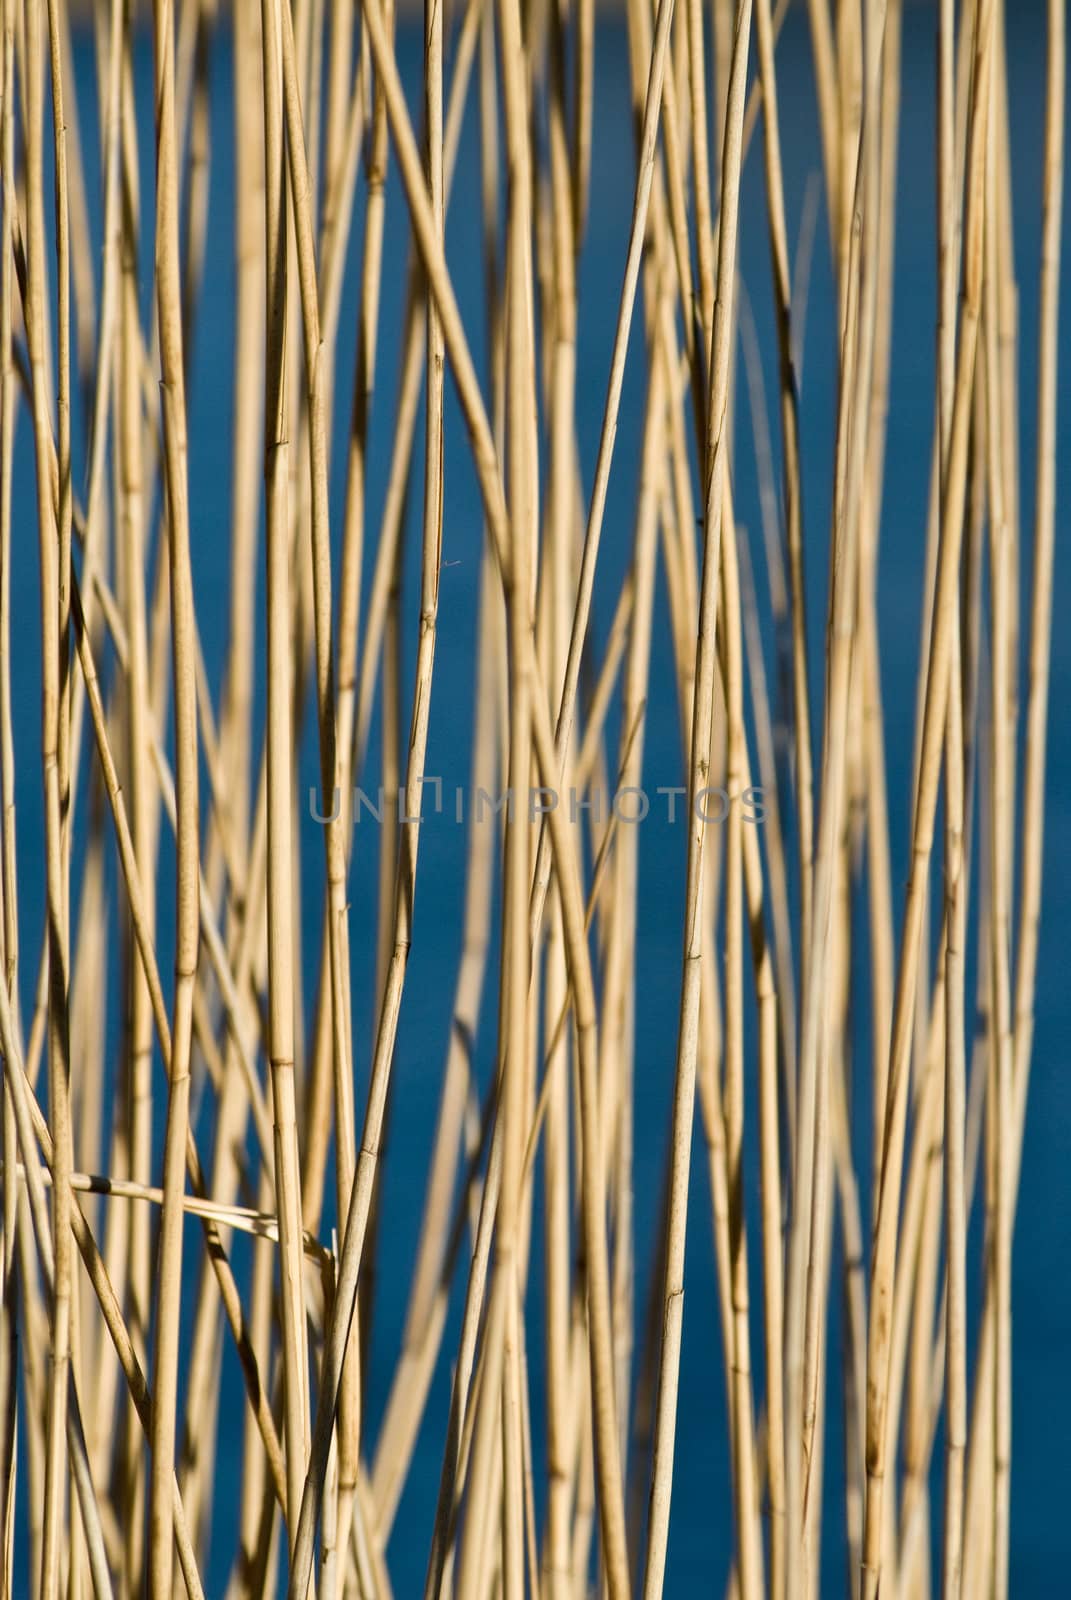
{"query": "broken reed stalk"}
(556, 903)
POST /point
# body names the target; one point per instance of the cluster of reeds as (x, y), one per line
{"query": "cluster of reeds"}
(115, 1312)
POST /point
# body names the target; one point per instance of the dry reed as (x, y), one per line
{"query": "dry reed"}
(185, 792)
